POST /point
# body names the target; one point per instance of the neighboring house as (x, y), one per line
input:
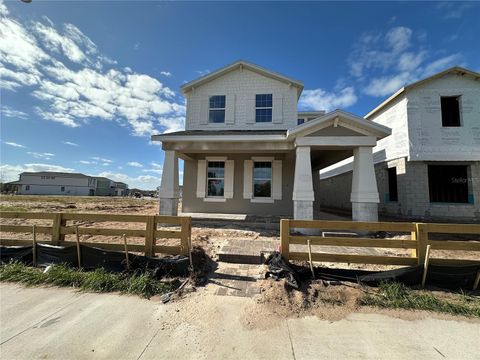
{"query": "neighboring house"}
(105, 187)
(430, 166)
(55, 183)
(58, 183)
(247, 150)
(121, 189)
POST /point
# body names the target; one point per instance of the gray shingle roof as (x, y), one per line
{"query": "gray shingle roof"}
(225, 132)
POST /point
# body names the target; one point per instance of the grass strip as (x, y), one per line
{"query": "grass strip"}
(141, 284)
(398, 296)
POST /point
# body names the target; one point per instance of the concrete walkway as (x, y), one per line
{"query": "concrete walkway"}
(64, 324)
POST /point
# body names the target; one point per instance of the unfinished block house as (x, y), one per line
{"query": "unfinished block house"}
(430, 166)
(247, 150)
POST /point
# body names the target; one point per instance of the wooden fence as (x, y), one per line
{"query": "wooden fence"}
(59, 228)
(417, 241)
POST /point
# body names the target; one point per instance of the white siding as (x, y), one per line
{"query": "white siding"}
(52, 185)
(240, 87)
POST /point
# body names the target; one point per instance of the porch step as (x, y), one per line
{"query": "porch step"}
(246, 251)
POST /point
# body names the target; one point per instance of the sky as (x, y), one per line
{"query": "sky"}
(83, 85)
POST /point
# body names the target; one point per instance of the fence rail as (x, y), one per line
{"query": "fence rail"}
(151, 234)
(418, 240)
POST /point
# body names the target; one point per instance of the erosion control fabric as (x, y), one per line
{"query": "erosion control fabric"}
(93, 258)
(448, 277)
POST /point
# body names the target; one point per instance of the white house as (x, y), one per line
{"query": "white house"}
(430, 166)
(247, 150)
(56, 183)
(60, 183)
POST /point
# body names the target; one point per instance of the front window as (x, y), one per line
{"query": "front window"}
(300, 121)
(62, 188)
(215, 178)
(263, 108)
(217, 109)
(262, 179)
(27, 187)
(450, 111)
(448, 183)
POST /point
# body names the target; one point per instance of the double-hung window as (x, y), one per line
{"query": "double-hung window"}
(263, 108)
(216, 178)
(262, 179)
(216, 113)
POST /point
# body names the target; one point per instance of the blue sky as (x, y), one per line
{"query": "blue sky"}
(83, 85)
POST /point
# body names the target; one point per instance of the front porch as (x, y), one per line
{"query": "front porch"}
(291, 179)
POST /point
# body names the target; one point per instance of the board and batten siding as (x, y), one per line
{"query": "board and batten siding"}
(239, 169)
(240, 88)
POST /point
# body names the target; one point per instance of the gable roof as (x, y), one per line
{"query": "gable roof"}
(239, 65)
(455, 70)
(342, 118)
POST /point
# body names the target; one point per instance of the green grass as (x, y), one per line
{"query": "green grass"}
(141, 284)
(398, 296)
(12, 208)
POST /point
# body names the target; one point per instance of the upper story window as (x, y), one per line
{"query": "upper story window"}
(450, 110)
(263, 108)
(217, 109)
(300, 121)
(262, 179)
(215, 178)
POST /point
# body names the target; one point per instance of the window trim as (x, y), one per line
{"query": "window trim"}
(214, 198)
(261, 108)
(217, 109)
(262, 199)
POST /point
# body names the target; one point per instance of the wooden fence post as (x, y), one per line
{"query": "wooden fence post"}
(414, 237)
(58, 222)
(185, 242)
(422, 240)
(285, 238)
(150, 236)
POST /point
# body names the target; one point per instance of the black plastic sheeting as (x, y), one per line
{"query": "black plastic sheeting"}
(93, 258)
(447, 277)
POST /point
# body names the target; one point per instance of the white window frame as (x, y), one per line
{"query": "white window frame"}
(215, 109)
(261, 108)
(269, 199)
(210, 198)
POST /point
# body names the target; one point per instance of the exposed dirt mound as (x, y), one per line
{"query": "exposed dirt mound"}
(319, 298)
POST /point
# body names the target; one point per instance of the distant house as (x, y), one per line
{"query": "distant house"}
(58, 183)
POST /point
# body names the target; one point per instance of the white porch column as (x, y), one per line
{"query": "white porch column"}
(169, 190)
(364, 196)
(303, 195)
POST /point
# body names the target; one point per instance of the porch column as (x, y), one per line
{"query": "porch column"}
(169, 190)
(302, 185)
(364, 196)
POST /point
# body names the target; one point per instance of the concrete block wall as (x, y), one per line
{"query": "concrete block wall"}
(413, 193)
(243, 85)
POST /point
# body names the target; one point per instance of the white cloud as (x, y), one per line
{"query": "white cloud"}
(99, 159)
(44, 155)
(453, 9)
(134, 164)
(203, 72)
(166, 73)
(319, 99)
(11, 172)
(63, 68)
(385, 62)
(14, 144)
(70, 143)
(86, 162)
(12, 113)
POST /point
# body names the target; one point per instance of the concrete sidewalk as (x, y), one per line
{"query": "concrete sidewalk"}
(63, 324)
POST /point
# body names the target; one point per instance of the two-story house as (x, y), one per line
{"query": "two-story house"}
(55, 183)
(430, 166)
(247, 150)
